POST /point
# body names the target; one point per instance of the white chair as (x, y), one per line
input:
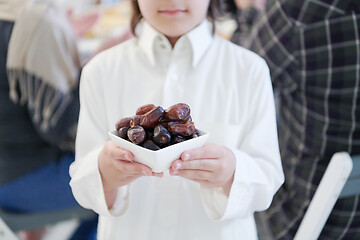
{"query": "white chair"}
(5, 232)
(341, 179)
(12, 222)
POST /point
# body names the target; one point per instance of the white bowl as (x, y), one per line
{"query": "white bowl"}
(160, 160)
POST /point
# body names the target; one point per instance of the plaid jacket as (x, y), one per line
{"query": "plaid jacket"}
(313, 50)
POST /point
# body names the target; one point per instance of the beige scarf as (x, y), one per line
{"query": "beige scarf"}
(41, 81)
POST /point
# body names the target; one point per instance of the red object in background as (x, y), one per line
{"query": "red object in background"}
(110, 42)
(82, 24)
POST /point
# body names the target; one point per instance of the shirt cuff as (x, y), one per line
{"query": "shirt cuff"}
(121, 202)
(88, 189)
(218, 206)
(215, 202)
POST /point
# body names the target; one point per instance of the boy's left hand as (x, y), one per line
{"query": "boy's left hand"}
(211, 165)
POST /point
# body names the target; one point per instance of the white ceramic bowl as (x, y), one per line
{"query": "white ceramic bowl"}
(160, 160)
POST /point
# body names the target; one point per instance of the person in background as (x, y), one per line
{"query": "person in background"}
(313, 51)
(209, 193)
(112, 41)
(246, 13)
(39, 106)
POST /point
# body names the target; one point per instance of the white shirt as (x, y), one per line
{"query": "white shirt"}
(229, 91)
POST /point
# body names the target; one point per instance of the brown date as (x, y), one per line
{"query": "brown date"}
(144, 109)
(151, 145)
(164, 123)
(123, 132)
(161, 136)
(185, 128)
(180, 111)
(124, 122)
(151, 118)
(154, 128)
(136, 134)
(177, 139)
(195, 134)
(149, 133)
(135, 120)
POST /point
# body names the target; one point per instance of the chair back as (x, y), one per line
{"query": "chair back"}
(16, 221)
(352, 186)
(327, 193)
(6, 233)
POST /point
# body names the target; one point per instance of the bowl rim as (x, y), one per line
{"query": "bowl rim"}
(115, 133)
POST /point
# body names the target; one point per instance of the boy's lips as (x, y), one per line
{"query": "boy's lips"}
(172, 12)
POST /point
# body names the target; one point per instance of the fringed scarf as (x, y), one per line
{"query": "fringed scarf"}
(40, 82)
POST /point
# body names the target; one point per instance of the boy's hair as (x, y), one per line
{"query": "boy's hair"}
(213, 13)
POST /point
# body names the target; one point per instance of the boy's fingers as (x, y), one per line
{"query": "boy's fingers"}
(133, 168)
(116, 152)
(199, 164)
(208, 151)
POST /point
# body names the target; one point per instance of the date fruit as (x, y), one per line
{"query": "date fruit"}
(154, 128)
(185, 128)
(180, 111)
(161, 136)
(150, 145)
(135, 120)
(123, 132)
(151, 118)
(178, 139)
(136, 134)
(124, 122)
(196, 134)
(144, 109)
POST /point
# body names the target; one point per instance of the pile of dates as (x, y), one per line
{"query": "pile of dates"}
(154, 128)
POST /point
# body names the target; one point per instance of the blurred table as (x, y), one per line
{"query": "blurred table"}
(113, 21)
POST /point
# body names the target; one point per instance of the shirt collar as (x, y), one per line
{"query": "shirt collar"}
(200, 38)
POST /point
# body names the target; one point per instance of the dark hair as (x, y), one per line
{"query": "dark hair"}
(214, 12)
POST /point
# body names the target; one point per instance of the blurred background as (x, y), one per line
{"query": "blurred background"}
(98, 25)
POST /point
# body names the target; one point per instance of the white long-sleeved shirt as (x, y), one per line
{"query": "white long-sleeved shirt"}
(229, 91)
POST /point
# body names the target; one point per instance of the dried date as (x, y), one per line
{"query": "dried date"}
(144, 109)
(135, 120)
(161, 137)
(123, 132)
(136, 134)
(178, 139)
(195, 134)
(180, 111)
(185, 128)
(124, 122)
(151, 118)
(154, 128)
(150, 145)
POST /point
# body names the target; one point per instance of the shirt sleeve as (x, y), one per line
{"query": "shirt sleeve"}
(92, 131)
(258, 172)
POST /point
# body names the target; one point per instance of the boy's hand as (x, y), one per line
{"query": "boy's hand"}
(211, 165)
(117, 169)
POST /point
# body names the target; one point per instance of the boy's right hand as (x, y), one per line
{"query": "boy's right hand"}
(117, 169)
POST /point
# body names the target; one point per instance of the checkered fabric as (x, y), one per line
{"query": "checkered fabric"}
(313, 50)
